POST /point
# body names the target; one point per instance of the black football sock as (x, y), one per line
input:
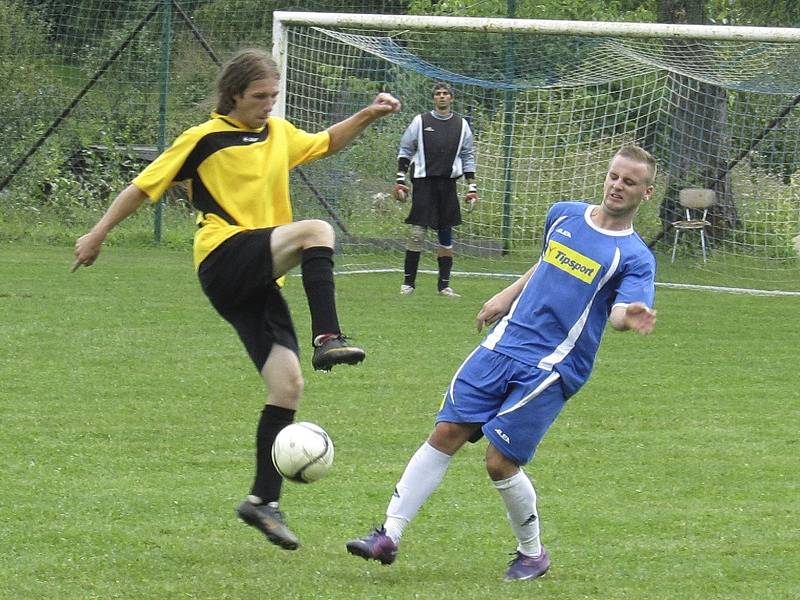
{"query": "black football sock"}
(445, 266)
(410, 267)
(317, 268)
(267, 484)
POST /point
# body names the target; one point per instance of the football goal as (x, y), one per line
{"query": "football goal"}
(549, 102)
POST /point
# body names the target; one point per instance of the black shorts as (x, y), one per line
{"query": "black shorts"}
(237, 278)
(434, 203)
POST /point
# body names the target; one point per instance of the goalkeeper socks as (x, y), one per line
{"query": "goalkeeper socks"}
(422, 476)
(410, 267)
(267, 484)
(445, 266)
(520, 500)
(317, 268)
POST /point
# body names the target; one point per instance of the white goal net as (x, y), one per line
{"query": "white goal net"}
(549, 103)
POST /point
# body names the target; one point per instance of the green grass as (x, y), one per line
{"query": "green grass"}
(129, 410)
(61, 225)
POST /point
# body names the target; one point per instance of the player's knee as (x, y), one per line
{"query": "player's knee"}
(416, 238)
(445, 238)
(449, 437)
(288, 390)
(318, 233)
(498, 465)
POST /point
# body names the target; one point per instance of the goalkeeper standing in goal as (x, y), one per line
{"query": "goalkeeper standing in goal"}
(439, 144)
(237, 168)
(593, 269)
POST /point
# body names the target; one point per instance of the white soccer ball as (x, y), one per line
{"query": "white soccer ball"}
(302, 452)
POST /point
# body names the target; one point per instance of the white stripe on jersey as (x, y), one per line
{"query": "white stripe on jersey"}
(568, 344)
(500, 328)
(552, 229)
(458, 166)
(498, 331)
(420, 168)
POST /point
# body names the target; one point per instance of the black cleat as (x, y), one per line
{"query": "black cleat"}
(334, 351)
(269, 521)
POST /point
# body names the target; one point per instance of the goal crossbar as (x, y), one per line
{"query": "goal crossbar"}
(539, 26)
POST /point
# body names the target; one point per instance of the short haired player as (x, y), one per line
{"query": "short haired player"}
(593, 269)
(237, 167)
(439, 144)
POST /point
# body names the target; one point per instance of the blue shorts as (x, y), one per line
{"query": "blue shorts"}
(516, 403)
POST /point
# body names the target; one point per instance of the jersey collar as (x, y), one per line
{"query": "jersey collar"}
(441, 117)
(587, 215)
(235, 123)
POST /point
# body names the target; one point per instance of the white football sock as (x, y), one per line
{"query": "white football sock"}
(520, 499)
(422, 476)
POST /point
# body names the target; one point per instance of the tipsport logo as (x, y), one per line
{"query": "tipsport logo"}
(572, 262)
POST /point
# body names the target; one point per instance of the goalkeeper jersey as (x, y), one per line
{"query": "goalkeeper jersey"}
(438, 146)
(558, 319)
(238, 178)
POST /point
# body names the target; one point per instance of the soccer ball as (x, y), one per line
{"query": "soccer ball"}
(302, 452)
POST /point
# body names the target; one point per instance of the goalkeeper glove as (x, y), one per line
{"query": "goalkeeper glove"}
(400, 188)
(472, 197)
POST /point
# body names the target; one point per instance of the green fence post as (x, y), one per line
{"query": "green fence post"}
(166, 42)
(508, 133)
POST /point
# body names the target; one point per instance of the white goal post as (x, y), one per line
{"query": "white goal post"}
(283, 19)
(549, 101)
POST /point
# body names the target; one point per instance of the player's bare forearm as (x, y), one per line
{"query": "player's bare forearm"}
(124, 205)
(344, 132)
(516, 288)
(498, 305)
(87, 247)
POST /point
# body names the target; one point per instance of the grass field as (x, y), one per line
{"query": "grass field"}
(128, 413)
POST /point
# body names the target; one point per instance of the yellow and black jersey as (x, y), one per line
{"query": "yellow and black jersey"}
(238, 178)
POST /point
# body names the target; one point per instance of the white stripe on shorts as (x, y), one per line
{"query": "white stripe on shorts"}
(553, 377)
(453, 380)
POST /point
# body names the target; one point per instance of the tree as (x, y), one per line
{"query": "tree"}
(698, 135)
(775, 13)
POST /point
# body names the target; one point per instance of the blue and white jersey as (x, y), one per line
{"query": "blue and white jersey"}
(558, 319)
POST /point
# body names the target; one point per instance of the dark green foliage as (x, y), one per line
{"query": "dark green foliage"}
(536, 145)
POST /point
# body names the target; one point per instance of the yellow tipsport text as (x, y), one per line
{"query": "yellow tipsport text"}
(572, 262)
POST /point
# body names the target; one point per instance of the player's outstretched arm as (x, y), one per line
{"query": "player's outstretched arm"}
(87, 247)
(636, 316)
(344, 132)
